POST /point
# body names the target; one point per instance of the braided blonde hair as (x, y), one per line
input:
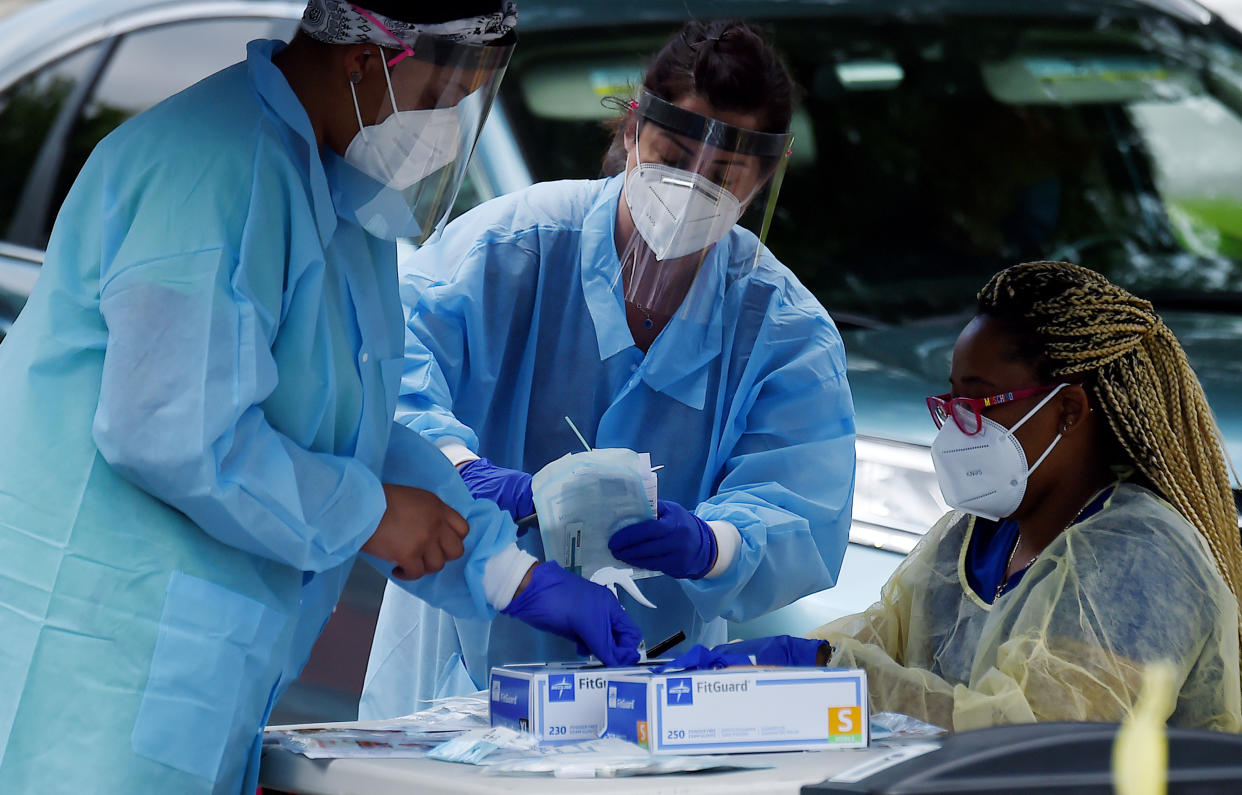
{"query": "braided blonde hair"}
(1138, 373)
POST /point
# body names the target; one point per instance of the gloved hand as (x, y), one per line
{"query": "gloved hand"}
(508, 488)
(676, 542)
(778, 650)
(567, 605)
(700, 658)
(782, 650)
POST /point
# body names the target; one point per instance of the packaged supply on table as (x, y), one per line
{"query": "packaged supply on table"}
(732, 710)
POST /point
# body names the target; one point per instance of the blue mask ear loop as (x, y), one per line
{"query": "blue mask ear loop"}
(1030, 414)
(362, 128)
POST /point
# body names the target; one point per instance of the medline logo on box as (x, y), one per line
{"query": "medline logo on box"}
(561, 687)
(680, 692)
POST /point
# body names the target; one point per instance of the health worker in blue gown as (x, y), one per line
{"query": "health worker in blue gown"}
(197, 407)
(635, 306)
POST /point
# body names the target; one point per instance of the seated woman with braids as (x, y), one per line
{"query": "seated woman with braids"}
(1094, 531)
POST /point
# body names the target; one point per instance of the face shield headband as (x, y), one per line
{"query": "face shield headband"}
(694, 175)
(339, 22)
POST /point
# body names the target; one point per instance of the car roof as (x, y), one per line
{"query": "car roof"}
(539, 15)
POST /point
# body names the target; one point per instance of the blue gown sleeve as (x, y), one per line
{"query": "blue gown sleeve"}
(458, 587)
(787, 481)
(191, 290)
(426, 394)
(441, 353)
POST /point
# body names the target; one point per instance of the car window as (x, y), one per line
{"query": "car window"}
(28, 111)
(149, 66)
(927, 156)
(1193, 143)
(558, 99)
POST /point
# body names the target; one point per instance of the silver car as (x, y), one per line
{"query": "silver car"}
(936, 142)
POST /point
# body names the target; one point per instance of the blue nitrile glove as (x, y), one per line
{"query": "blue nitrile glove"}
(572, 607)
(676, 542)
(775, 650)
(700, 658)
(508, 488)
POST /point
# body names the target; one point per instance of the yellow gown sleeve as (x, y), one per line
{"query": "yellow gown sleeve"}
(1070, 643)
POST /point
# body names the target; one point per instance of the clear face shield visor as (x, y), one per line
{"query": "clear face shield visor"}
(692, 179)
(436, 100)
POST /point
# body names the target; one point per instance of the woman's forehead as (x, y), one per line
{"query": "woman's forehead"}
(747, 120)
(987, 346)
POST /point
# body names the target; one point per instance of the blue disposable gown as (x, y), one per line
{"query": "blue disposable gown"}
(195, 415)
(516, 320)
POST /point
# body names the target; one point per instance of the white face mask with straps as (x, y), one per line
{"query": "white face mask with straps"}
(986, 474)
(677, 212)
(407, 146)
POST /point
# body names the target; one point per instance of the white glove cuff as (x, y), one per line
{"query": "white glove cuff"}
(503, 573)
(728, 541)
(455, 451)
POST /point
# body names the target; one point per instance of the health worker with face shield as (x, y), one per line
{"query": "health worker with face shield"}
(637, 307)
(197, 412)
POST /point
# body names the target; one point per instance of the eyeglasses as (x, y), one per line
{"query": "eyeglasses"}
(966, 412)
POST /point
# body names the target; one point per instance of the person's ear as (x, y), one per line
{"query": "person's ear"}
(629, 129)
(358, 60)
(1075, 405)
(359, 69)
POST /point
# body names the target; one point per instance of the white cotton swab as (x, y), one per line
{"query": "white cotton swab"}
(574, 428)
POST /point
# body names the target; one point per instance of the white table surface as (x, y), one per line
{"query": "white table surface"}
(284, 770)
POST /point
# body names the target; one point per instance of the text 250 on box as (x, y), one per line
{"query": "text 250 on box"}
(739, 709)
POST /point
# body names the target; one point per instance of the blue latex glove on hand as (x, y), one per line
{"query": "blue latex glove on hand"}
(567, 605)
(676, 542)
(780, 650)
(508, 488)
(776, 650)
(701, 658)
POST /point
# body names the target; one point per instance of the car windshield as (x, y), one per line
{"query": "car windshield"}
(929, 155)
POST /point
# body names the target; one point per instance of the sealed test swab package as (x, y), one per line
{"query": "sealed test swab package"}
(581, 499)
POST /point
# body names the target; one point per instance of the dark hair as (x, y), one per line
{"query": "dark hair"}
(431, 12)
(727, 62)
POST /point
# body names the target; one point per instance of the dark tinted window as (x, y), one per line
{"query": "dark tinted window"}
(929, 155)
(28, 111)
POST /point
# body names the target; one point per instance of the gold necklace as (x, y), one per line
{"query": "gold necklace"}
(1000, 589)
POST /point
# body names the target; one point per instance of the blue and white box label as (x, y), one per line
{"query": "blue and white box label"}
(557, 703)
(739, 709)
